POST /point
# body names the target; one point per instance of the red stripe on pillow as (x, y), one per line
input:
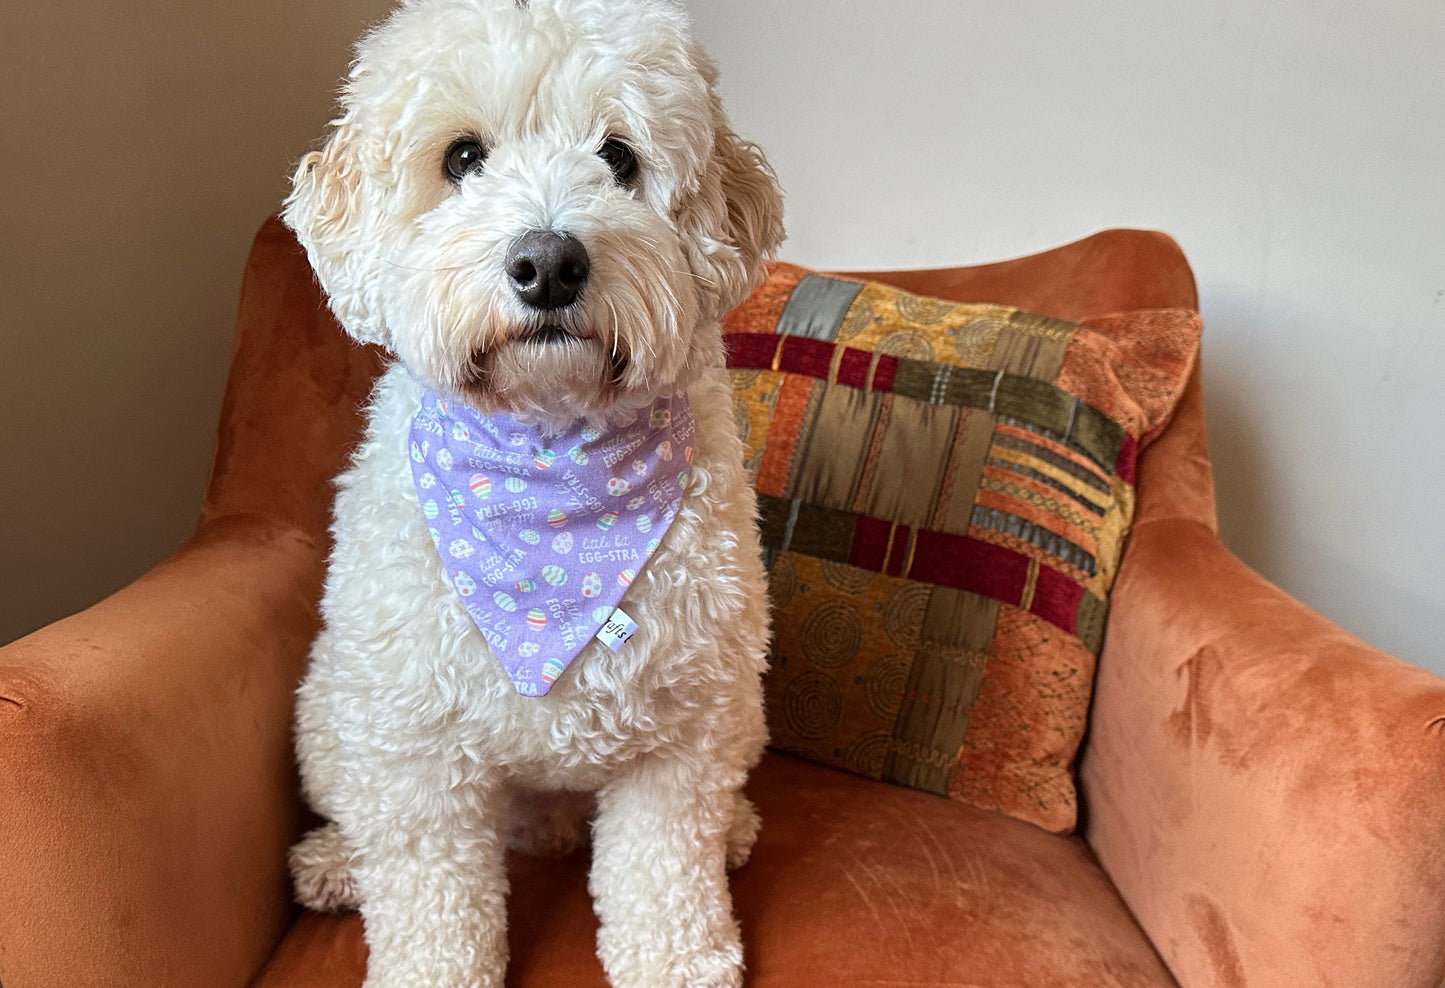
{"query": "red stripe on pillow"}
(968, 564)
(883, 375)
(1056, 599)
(870, 543)
(750, 350)
(802, 355)
(1128, 459)
(853, 367)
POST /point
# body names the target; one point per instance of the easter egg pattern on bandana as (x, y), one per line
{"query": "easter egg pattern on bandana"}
(604, 498)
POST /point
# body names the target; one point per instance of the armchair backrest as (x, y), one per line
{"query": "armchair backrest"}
(292, 406)
(291, 410)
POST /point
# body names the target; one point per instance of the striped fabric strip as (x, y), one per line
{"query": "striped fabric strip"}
(1024, 470)
(1008, 395)
(1009, 435)
(1026, 531)
(942, 558)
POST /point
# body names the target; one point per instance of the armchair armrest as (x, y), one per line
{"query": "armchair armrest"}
(147, 793)
(1266, 791)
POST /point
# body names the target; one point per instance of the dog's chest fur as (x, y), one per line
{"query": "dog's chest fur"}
(683, 668)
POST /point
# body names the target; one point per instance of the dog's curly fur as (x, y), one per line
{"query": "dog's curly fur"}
(411, 739)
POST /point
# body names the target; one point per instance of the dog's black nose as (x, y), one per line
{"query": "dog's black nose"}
(547, 269)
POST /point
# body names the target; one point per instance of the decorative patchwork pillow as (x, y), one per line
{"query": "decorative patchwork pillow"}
(945, 490)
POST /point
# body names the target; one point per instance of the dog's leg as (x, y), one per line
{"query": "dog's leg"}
(431, 876)
(659, 879)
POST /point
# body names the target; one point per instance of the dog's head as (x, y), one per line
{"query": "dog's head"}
(537, 205)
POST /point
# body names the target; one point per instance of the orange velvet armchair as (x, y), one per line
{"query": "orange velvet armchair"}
(1263, 795)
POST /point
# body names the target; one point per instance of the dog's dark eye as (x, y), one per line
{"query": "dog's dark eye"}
(620, 159)
(464, 157)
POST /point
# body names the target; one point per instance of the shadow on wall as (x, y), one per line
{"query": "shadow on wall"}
(1247, 491)
(1342, 555)
(144, 144)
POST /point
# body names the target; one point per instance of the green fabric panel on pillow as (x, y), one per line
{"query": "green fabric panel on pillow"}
(817, 307)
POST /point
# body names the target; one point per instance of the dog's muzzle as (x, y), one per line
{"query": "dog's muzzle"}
(548, 269)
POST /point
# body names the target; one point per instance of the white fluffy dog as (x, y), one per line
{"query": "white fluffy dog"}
(540, 210)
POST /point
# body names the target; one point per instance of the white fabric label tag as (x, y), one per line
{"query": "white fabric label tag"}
(616, 629)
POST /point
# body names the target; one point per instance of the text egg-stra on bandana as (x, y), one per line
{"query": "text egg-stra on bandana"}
(541, 534)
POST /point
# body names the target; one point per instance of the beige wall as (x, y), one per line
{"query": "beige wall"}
(141, 144)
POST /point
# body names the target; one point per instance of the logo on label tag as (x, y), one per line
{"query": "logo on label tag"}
(616, 629)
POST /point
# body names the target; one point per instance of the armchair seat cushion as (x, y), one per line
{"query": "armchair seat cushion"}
(852, 882)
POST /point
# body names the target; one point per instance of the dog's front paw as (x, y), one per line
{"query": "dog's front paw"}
(631, 964)
(721, 968)
(321, 866)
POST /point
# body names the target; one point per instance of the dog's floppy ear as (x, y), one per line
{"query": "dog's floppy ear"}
(325, 209)
(754, 207)
(735, 220)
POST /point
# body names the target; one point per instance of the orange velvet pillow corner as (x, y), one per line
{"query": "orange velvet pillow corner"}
(945, 490)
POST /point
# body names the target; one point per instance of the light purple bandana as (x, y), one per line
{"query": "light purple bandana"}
(542, 534)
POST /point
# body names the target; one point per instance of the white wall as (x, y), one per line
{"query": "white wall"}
(1296, 149)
